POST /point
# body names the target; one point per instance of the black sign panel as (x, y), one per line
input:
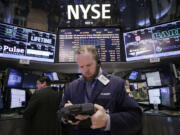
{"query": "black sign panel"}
(106, 40)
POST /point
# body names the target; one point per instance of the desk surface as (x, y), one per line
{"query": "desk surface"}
(163, 113)
(10, 116)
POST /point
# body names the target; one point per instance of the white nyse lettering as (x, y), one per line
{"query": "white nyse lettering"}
(104, 11)
(71, 10)
(93, 8)
(85, 11)
(75, 12)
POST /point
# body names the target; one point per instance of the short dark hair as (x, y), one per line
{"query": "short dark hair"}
(90, 49)
(46, 79)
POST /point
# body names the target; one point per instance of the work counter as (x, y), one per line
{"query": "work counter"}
(154, 123)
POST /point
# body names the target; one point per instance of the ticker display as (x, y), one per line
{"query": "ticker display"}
(23, 43)
(106, 40)
(157, 41)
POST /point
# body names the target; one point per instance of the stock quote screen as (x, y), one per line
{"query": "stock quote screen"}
(23, 43)
(157, 41)
(106, 40)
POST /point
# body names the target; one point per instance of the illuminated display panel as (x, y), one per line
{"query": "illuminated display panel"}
(23, 43)
(154, 96)
(17, 97)
(106, 40)
(158, 41)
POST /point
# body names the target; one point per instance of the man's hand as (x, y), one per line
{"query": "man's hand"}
(69, 121)
(99, 119)
(68, 104)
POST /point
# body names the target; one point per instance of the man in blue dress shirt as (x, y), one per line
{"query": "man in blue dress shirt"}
(116, 113)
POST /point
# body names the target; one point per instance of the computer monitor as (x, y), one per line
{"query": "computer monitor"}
(153, 79)
(29, 81)
(133, 75)
(15, 78)
(17, 98)
(154, 96)
(166, 96)
(52, 76)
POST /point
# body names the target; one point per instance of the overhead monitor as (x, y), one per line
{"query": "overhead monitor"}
(24, 43)
(15, 78)
(154, 96)
(153, 79)
(106, 40)
(17, 98)
(52, 76)
(157, 41)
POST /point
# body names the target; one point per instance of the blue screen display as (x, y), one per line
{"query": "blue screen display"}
(165, 96)
(133, 75)
(106, 40)
(15, 78)
(29, 81)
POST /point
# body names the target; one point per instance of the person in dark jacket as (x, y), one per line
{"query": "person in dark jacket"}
(41, 112)
(116, 113)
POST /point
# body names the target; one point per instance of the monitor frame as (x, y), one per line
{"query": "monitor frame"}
(8, 75)
(8, 100)
(163, 55)
(31, 52)
(106, 27)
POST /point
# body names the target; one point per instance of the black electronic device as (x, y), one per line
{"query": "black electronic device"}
(69, 113)
(23, 43)
(157, 41)
(15, 78)
(29, 81)
(167, 97)
(106, 40)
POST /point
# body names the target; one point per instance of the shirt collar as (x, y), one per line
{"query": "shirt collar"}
(95, 79)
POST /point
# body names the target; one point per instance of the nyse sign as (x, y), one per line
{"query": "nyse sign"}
(100, 11)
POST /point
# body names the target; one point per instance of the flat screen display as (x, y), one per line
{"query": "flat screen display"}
(154, 96)
(52, 76)
(15, 78)
(29, 81)
(153, 79)
(18, 98)
(157, 41)
(106, 40)
(133, 75)
(165, 96)
(23, 43)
